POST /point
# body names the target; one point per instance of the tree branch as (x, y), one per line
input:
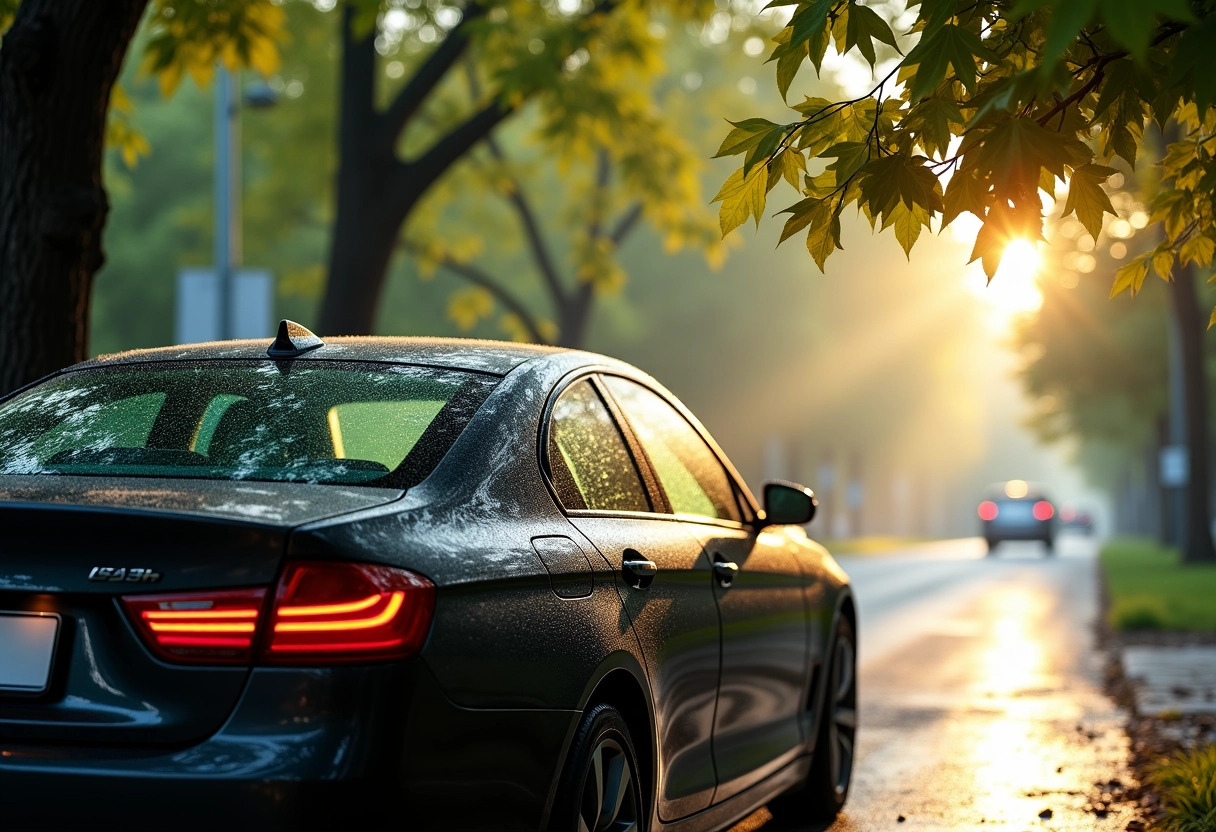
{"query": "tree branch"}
(626, 224)
(483, 279)
(422, 172)
(397, 115)
(523, 209)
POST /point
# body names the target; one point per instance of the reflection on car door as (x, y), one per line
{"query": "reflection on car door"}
(764, 678)
(674, 614)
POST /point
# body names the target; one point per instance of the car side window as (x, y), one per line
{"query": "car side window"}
(591, 465)
(688, 470)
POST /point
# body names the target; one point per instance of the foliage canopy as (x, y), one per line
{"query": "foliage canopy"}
(984, 108)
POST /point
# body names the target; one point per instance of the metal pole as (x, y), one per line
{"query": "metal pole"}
(1177, 526)
(227, 196)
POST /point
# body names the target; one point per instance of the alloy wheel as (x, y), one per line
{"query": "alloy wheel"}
(610, 795)
(842, 729)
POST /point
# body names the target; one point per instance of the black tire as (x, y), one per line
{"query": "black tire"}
(600, 789)
(826, 787)
(992, 544)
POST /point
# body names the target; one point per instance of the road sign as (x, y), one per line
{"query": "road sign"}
(198, 305)
(1175, 466)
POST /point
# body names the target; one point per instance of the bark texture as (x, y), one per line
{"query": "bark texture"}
(58, 64)
(1196, 536)
(376, 189)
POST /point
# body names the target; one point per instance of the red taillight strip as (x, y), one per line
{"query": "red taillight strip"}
(395, 600)
(159, 615)
(331, 609)
(346, 646)
(323, 613)
(192, 627)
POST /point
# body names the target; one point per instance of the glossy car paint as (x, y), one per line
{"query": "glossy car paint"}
(533, 622)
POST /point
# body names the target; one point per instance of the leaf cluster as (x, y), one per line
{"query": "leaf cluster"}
(987, 108)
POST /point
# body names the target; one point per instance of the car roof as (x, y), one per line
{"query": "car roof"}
(498, 357)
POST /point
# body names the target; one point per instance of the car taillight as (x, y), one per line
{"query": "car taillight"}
(345, 612)
(988, 510)
(322, 613)
(204, 627)
(1043, 510)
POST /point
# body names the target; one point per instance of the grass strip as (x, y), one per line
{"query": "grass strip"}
(1150, 589)
(1187, 785)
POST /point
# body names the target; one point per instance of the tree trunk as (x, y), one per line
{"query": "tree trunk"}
(368, 214)
(573, 316)
(1196, 536)
(58, 64)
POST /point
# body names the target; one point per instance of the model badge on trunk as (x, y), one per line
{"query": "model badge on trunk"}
(127, 574)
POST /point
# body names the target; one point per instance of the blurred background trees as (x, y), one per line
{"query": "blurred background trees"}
(888, 386)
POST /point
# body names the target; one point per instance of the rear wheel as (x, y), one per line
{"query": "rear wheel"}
(600, 789)
(827, 784)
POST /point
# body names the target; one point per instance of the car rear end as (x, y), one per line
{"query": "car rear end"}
(166, 661)
(1016, 512)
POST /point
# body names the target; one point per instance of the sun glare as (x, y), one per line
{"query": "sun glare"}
(1014, 290)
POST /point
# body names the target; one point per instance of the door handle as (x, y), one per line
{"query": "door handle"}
(639, 572)
(725, 572)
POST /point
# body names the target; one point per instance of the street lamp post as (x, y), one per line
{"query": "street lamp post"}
(227, 175)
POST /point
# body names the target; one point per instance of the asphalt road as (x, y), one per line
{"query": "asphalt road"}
(980, 694)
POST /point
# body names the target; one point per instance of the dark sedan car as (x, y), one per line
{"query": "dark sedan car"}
(1017, 510)
(458, 584)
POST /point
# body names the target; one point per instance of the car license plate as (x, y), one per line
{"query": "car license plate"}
(1017, 511)
(27, 645)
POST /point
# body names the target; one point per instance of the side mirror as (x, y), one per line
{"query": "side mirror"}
(787, 503)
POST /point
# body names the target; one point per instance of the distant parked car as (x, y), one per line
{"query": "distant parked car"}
(1017, 510)
(462, 584)
(1076, 520)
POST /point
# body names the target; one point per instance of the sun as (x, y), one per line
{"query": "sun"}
(1014, 291)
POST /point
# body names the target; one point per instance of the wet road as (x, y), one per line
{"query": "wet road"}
(981, 703)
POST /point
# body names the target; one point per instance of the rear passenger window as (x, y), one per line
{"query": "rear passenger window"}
(591, 465)
(690, 473)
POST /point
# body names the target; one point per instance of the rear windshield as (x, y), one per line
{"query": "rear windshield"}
(323, 422)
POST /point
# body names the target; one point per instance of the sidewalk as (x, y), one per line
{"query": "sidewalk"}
(1169, 681)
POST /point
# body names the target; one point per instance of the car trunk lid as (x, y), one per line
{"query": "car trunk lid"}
(72, 547)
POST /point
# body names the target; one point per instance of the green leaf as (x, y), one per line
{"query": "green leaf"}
(1067, 20)
(809, 20)
(793, 166)
(1132, 23)
(965, 192)
(801, 213)
(951, 45)
(741, 139)
(787, 67)
(1087, 198)
(907, 222)
(764, 148)
(850, 156)
(863, 28)
(824, 235)
(889, 181)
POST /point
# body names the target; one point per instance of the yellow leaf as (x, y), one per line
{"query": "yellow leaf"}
(1131, 277)
(1163, 263)
(1212, 320)
(740, 196)
(1198, 250)
(468, 306)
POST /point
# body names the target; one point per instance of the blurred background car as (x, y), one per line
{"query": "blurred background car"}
(1017, 510)
(1077, 520)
